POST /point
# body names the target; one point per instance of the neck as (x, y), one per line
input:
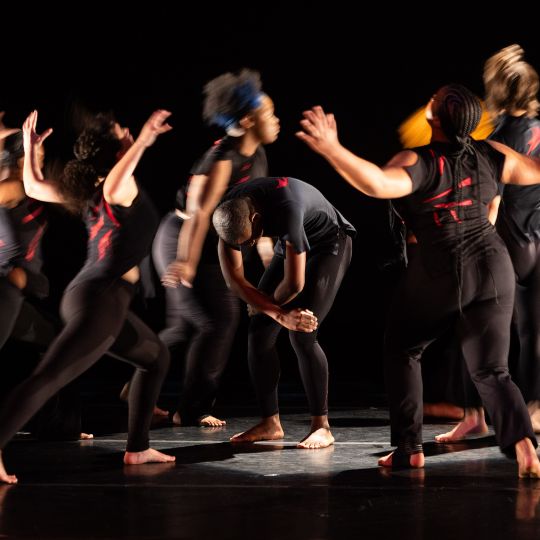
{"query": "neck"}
(248, 144)
(437, 135)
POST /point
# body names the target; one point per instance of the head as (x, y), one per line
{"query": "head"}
(237, 222)
(236, 103)
(13, 155)
(455, 111)
(97, 149)
(511, 84)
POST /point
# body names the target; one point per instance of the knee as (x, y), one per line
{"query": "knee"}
(486, 375)
(303, 342)
(163, 358)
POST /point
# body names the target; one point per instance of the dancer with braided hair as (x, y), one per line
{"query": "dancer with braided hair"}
(511, 86)
(201, 312)
(95, 307)
(463, 275)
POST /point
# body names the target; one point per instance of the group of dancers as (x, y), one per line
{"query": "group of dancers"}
(463, 276)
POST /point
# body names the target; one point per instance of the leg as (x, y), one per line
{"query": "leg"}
(214, 314)
(485, 334)
(264, 365)
(10, 306)
(93, 319)
(138, 345)
(324, 274)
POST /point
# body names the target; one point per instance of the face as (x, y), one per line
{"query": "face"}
(252, 232)
(266, 123)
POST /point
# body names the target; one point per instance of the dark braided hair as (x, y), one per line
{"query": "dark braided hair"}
(459, 112)
(229, 97)
(96, 151)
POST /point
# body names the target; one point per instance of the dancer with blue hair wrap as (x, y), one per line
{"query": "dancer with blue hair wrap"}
(202, 314)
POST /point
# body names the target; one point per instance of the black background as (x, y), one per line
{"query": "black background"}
(372, 66)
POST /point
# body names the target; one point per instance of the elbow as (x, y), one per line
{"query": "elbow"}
(296, 287)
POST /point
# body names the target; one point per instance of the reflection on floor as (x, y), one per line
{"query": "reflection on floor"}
(267, 490)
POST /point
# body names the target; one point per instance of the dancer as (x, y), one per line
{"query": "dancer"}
(511, 86)
(95, 307)
(201, 312)
(312, 255)
(463, 274)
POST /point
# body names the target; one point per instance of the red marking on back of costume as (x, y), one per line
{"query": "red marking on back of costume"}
(109, 211)
(34, 243)
(96, 228)
(441, 165)
(467, 202)
(437, 219)
(534, 141)
(282, 182)
(104, 244)
(243, 179)
(32, 215)
(245, 166)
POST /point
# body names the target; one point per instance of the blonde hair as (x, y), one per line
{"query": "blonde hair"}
(511, 84)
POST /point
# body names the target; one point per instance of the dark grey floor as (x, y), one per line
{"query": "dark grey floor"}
(268, 491)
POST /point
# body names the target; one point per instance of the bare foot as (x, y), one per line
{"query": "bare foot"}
(85, 436)
(534, 412)
(147, 456)
(160, 412)
(474, 423)
(320, 438)
(443, 410)
(416, 461)
(269, 429)
(211, 421)
(528, 464)
(4, 476)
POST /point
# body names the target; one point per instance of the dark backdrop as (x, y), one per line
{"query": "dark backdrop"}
(370, 70)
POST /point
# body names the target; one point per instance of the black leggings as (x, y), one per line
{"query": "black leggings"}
(423, 307)
(20, 319)
(97, 318)
(203, 318)
(324, 274)
(526, 261)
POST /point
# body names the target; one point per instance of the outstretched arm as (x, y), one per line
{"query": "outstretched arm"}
(35, 185)
(120, 187)
(233, 271)
(518, 169)
(320, 134)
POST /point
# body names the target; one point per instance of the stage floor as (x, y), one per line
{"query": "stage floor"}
(267, 490)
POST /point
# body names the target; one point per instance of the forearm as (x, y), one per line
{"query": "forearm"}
(252, 296)
(34, 183)
(363, 175)
(284, 293)
(122, 173)
(191, 238)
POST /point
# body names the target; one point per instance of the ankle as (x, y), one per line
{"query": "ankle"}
(319, 422)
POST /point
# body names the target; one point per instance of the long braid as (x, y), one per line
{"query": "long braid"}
(459, 113)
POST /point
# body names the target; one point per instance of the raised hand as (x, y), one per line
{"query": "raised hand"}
(320, 130)
(31, 139)
(154, 126)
